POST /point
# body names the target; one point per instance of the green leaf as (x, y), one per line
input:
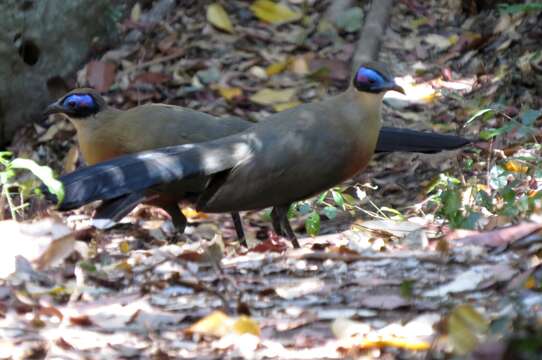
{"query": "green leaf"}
(5, 157)
(406, 289)
(312, 224)
(468, 164)
(471, 221)
(517, 8)
(322, 197)
(44, 173)
(492, 132)
(452, 203)
(478, 114)
(349, 199)
(509, 210)
(338, 198)
(292, 210)
(509, 195)
(87, 266)
(498, 177)
(485, 200)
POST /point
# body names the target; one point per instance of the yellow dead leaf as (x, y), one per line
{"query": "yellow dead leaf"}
(422, 92)
(271, 96)
(124, 247)
(530, 283)
(453, 39)
(217, 16)
(229, 93)
(413, 345)
(219, 324)
(215, 324)
(466, 326)
(276, 68)
(482, 187)
(124, 266)
(416, 23)
(360, 335)
(135, 14)
(516, 166)
(192, 213)
(246, 325)
(286, 105)
(274, 13)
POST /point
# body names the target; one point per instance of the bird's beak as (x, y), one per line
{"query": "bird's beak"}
(398, 88)
(53, 108)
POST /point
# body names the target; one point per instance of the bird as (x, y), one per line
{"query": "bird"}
(104, 132)
(289, 156)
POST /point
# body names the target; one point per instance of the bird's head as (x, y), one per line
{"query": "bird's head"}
(78, 104)
(373, 77)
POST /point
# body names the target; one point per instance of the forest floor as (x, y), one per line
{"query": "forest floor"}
(420, 256)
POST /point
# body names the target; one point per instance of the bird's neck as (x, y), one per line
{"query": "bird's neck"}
(370, 103)
(97, 136)
(95, 121)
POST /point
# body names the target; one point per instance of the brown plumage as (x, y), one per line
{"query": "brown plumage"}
(288, 157)
(104, 133)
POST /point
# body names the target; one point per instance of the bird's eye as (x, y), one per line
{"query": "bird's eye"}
(372, 81)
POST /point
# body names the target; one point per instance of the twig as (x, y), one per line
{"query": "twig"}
(374, 29)
(348, 258)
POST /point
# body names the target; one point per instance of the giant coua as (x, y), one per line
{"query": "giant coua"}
(363, 98)
(104, 132)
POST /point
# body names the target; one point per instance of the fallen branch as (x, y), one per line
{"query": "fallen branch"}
(374, 29)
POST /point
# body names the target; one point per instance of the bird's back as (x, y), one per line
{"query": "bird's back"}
(322, 143)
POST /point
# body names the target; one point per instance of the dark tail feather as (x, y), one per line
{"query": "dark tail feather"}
(396, 139)
(140, 171)
(116, 209)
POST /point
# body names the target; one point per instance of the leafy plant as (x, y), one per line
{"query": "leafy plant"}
(517, 8)
(15, 191)
(508, 186)
(330, 202)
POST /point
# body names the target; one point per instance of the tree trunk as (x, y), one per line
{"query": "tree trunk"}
(42, 44)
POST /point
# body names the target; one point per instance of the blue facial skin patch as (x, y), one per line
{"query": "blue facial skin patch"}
(369, 76)
(79, 101)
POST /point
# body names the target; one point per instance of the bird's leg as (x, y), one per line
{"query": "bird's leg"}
(279, 216)
(275, 220)
(177, 216)
(239, 228)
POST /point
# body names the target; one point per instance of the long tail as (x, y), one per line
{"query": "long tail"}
(116, 209)
(137, 172)
(397, 139)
